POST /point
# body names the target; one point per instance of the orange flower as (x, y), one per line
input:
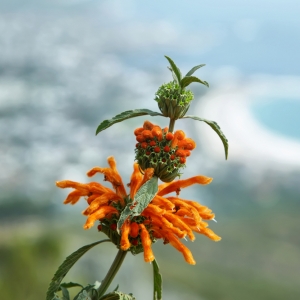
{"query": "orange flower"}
(162, 150)
(168, 218)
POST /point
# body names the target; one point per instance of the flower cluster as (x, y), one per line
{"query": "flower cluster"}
(162, 150)
(168, 218)
(173, 101)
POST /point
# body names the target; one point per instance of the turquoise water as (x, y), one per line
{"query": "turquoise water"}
(279, 115)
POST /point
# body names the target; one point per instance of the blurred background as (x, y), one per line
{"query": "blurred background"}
(67, 65)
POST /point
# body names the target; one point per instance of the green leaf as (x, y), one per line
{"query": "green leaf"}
(66, 266)
(173, 75)
(141, 200)
(123, 217)
(83, 296)
(157, 282)
(216, 128)
(124, 116)
(189, 79)
(144, 195)
(89, 292)
(117, 296)
(69, 285)
(116, 288)
(190, 72)
(65, 293)
(175, 69)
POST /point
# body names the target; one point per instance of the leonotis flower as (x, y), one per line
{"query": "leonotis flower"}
(162, 150)
(168, 218)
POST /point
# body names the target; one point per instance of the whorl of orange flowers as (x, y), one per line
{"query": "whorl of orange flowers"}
(169, 218)
(162, 150)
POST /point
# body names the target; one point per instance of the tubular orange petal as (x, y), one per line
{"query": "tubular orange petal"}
(180, 153)
(112, 175)
(156, 232)
(147, 175)
(73, 197)
(163, 202)
(187, 144)
(169, 136)
(175, 186)
(174, 241)
(97, 188)
(182, 212)
(204, 211)
(138, 131)
(104, 199)
(163, 224)
(157, 132)
(82, 187)
(209, 233)
(101, 213)
(135, 181)
(91, 198)
(140, 138)
(154, 210)
(176, 221)
(147, 134)
(146, 242)
(181, 203)
(125, 244)
(134, 229)
(148, 125)
(195, 227)
(178, 136)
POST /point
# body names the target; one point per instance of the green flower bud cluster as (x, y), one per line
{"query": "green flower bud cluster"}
(173, 101)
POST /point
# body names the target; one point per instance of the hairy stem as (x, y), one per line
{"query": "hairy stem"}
(111, 272)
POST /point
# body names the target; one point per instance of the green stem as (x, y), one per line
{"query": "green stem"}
(171, 125)
(111, 272)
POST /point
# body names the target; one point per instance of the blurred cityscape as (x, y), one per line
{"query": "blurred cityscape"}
(65, 67)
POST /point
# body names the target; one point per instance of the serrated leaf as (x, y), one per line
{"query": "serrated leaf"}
(187, 80)
(216, 128)
(175, 69)
(65, 293)
(66, 266)
(191, 72)
(142, 198)
(124, 116)
(157, 282)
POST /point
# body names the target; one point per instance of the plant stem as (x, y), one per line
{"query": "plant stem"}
(171, 125)
(112, 272)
